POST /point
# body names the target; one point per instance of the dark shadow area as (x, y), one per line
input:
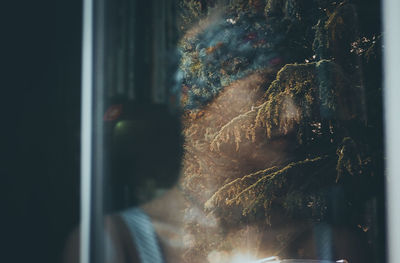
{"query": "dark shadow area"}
(40, 143)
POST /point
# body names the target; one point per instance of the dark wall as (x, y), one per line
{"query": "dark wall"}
(40, 88)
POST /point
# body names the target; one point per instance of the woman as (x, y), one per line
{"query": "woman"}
(272, 146)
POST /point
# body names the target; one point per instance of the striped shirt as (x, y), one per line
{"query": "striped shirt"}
(143, 234)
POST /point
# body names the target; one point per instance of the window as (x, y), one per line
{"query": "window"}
(243, 130)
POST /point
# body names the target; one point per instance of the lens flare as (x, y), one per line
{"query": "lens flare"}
(243, 258)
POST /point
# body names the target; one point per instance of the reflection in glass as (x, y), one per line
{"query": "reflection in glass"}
(278, 153)
(245, 130)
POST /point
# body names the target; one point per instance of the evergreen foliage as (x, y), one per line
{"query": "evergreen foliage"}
(316, 101)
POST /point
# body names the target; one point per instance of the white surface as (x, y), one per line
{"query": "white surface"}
(391, 20)
(86, 128)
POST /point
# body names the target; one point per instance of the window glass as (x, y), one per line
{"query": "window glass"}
(243, 130)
